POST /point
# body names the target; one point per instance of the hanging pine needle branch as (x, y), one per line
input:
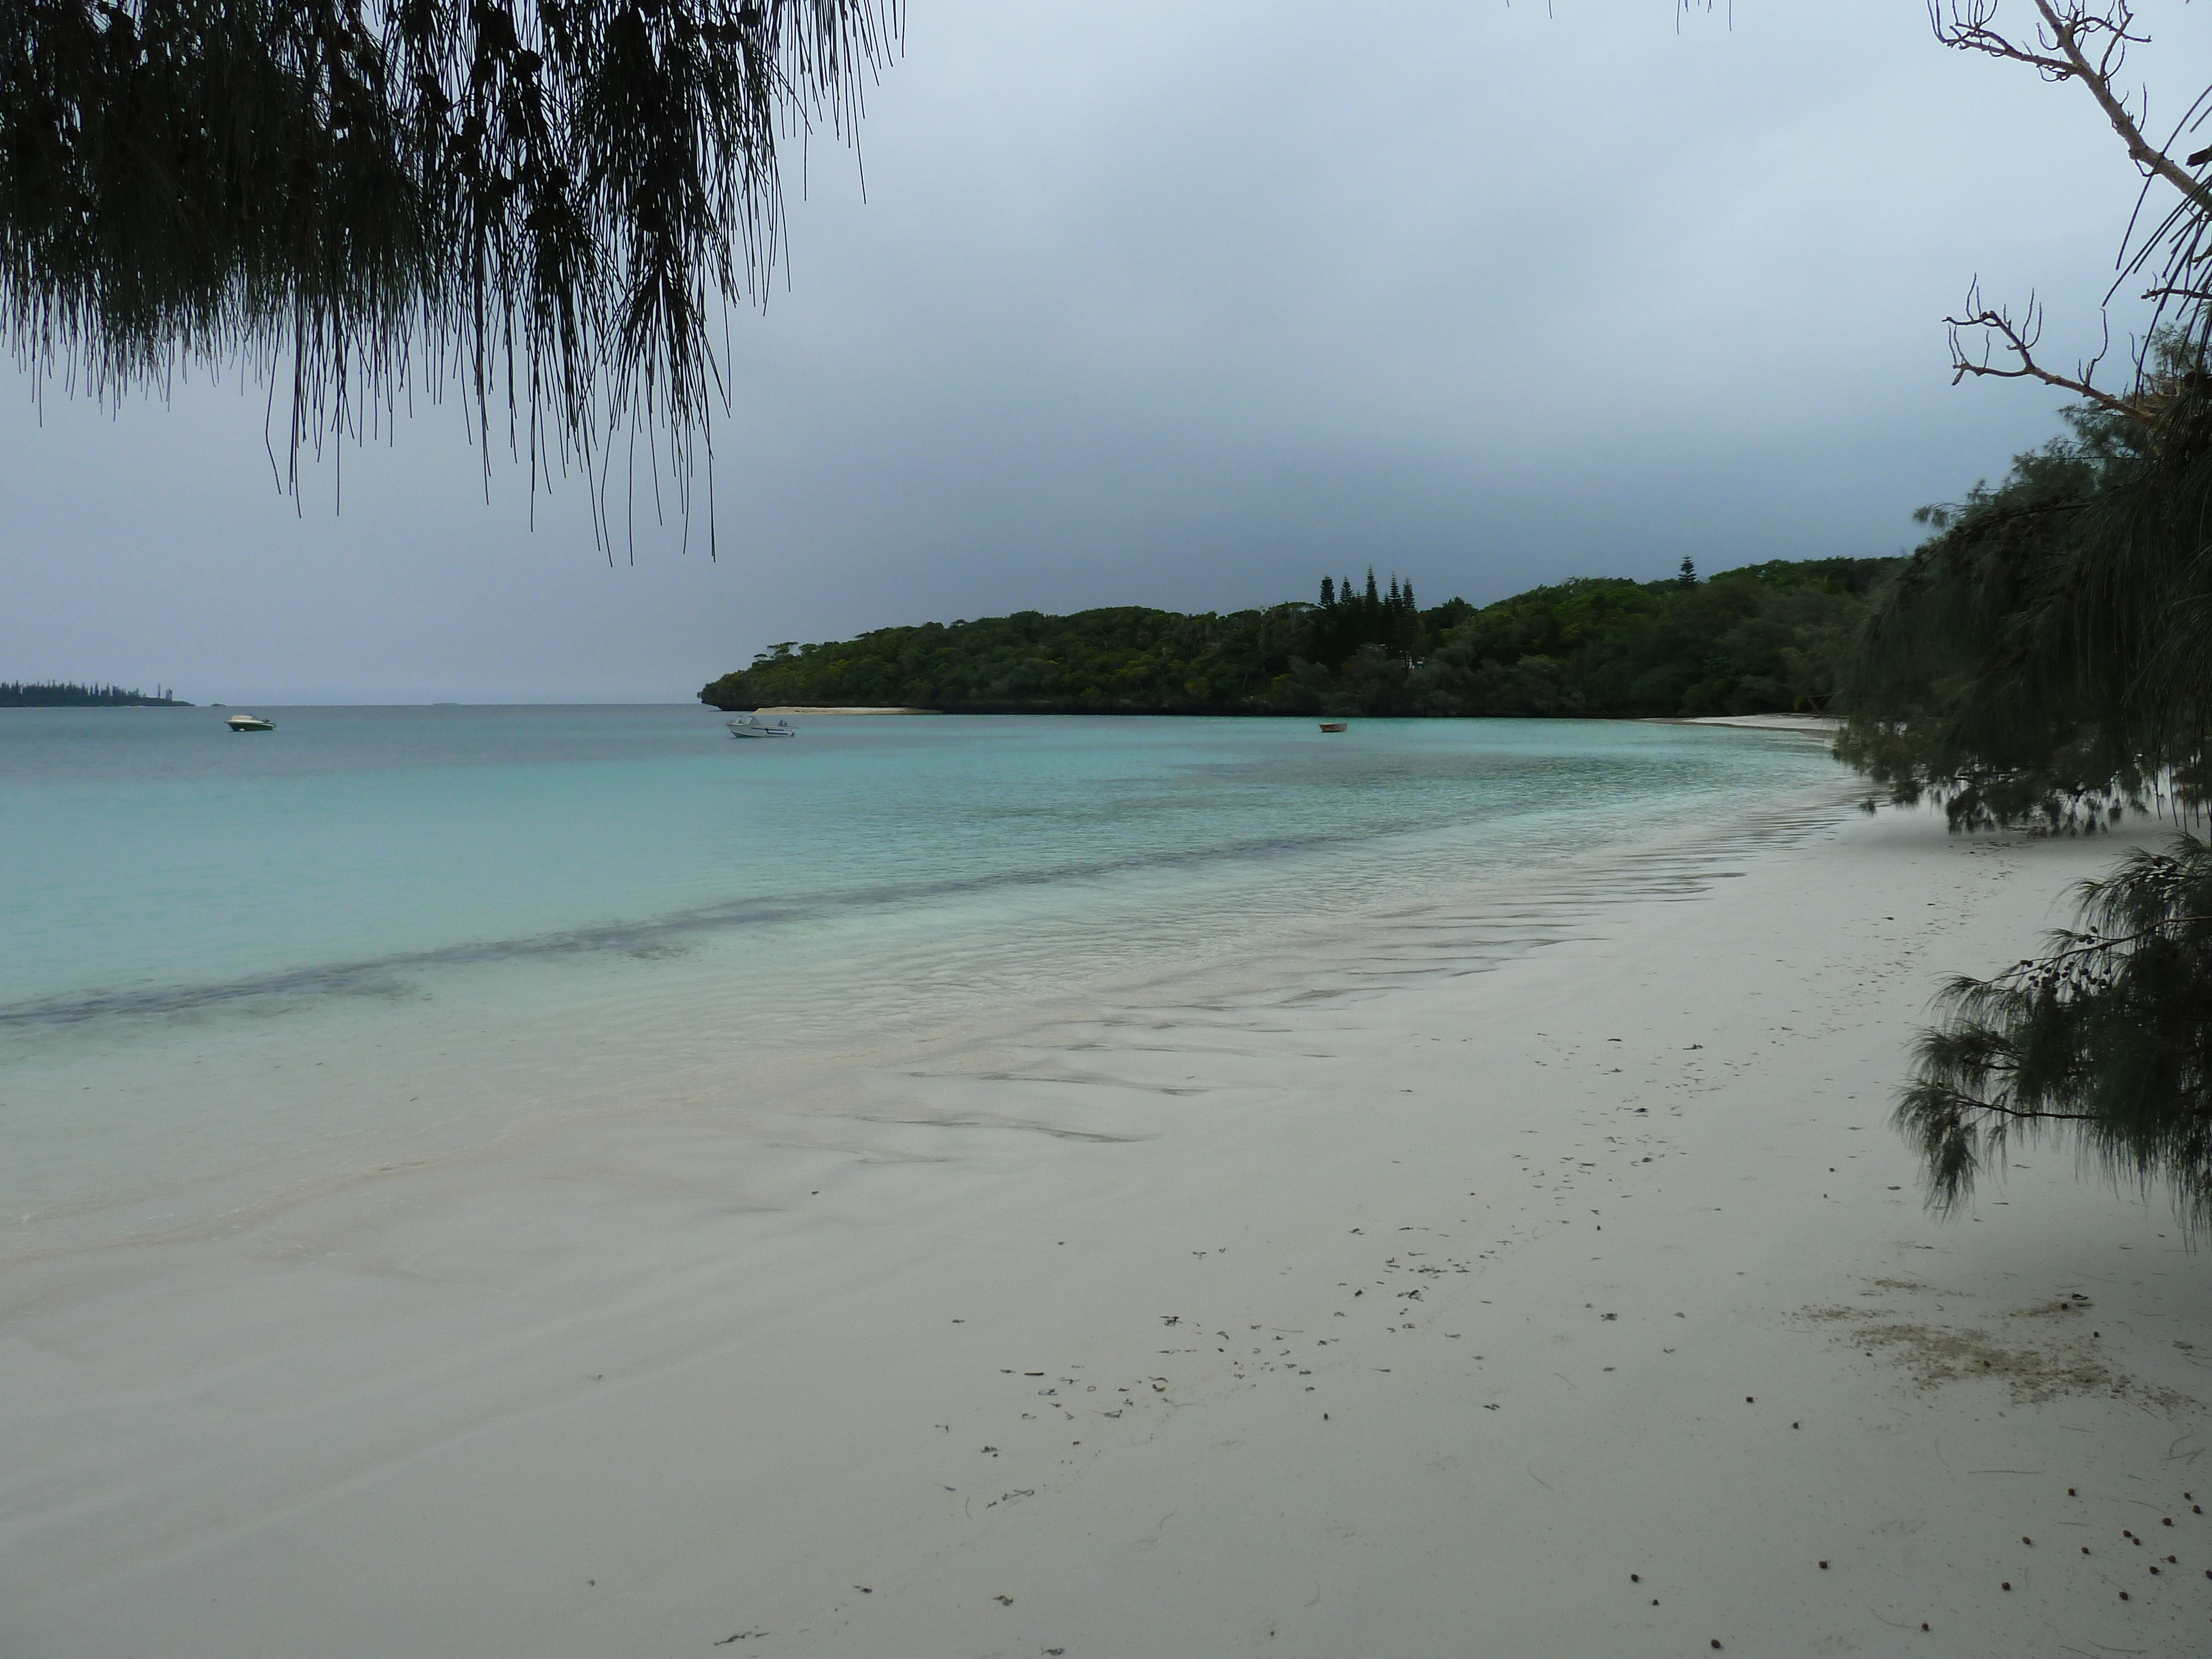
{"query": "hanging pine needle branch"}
(2106, 1039)
(546, 200)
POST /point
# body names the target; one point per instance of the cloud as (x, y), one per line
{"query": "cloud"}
(1185, 306)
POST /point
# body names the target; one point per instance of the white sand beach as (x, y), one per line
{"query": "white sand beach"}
(1824, 726)
(1534, 1277)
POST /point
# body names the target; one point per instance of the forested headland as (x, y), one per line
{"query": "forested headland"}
(1763, 639)
(57, 693)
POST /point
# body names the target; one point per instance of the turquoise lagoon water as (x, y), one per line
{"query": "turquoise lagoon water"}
(228, 953)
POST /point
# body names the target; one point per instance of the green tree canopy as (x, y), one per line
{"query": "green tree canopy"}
(2038, 659)
(1762, 639)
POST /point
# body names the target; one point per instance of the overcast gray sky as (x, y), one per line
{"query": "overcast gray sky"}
(1185, 303)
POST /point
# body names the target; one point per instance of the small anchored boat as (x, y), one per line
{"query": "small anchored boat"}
(1336, 726)
(749, 725)
(250, 723)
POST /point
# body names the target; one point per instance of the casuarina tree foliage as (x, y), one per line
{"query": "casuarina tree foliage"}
(2107, 1038)
(2040, 661)
(546, 199)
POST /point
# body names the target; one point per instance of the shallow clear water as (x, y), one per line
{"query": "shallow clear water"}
(373, 923)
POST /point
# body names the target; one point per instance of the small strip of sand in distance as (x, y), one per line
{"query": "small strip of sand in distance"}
(830, 709)
(1818, 726)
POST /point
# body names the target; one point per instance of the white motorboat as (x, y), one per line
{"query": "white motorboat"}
(250, 723)
(751, 726)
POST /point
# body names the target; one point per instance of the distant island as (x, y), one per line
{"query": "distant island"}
(1762, 639)
(57, 693)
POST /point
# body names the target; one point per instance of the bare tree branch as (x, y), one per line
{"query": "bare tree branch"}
(2078, 40)
(2024, 1113)
(2071, 31)
(2020, 339)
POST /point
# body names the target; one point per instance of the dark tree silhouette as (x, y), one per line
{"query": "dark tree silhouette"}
(545, 200)
(2107, 1038)
(2040, 661)
(1751, 640)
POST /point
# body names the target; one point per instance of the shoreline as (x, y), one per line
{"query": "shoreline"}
(1405, 1295)
(1824, 726)
(1818, 725)
(812, 708)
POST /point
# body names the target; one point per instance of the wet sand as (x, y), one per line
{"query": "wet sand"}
(1532, 1275)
